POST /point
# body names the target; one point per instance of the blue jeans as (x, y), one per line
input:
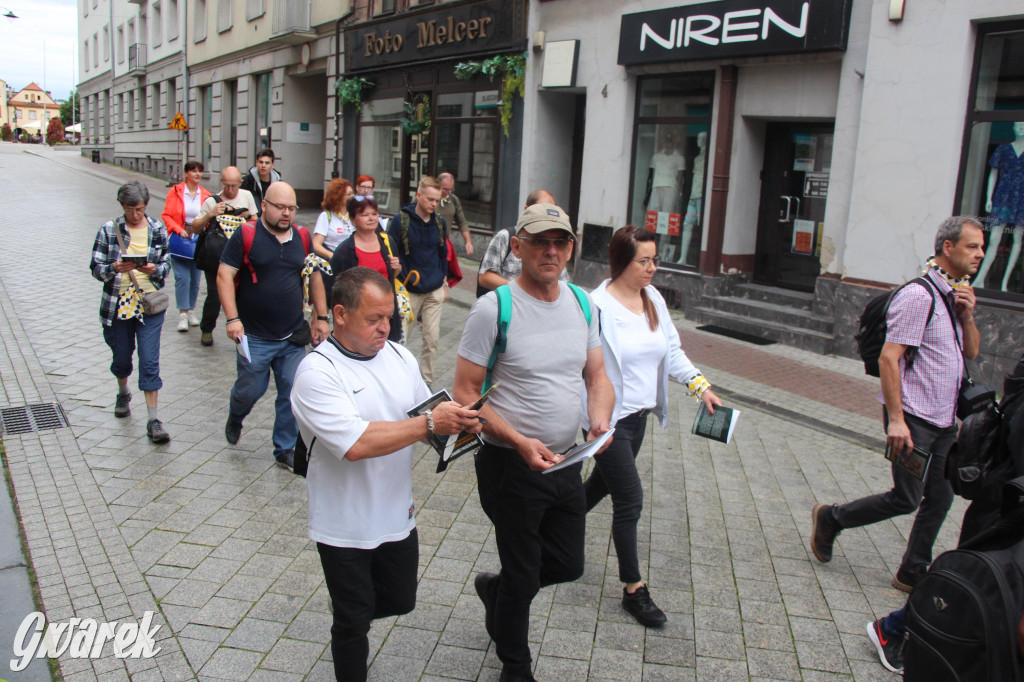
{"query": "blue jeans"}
(283, 358)
(123, 336)
(186, 282)
(896, 622)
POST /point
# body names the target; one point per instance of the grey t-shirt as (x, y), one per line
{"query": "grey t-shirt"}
(541, 370)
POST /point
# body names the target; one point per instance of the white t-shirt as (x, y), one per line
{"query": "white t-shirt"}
(369, 502)
(642, 351)
(242, 200)
(667, 168)
(335, 229)
(192, 204)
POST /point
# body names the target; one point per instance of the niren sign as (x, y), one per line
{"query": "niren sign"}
(733, 28)
(461, 30)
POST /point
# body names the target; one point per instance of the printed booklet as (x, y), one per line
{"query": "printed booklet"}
(718, 426)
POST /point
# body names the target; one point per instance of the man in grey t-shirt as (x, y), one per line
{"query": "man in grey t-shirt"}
(551, 352)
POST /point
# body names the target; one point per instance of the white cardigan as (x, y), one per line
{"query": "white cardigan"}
(674, 363)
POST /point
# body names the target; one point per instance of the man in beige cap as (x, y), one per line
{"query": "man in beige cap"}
(551, 349)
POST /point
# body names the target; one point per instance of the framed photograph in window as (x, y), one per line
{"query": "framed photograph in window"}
(396, 166)
(424, 142)
(424, 165)
(396, 140)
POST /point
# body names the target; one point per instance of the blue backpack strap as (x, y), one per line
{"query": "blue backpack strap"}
(504, 294)
(581, 298)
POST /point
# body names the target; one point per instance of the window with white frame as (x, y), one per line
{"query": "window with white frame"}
(85, 54)
(171, 19)
(225, 15)
(199, 22)
(120, 44)
(158, 25)
(254, 9)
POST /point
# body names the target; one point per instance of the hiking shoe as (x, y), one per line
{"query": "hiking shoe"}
(206, 339)
(823, 532)
(286, 460)
(642, 607)
(486, 585)
(122, 405)
(193, 321)
(907, 580)
(890, 649)
(182, 322)
(232, 430)
(155, 431)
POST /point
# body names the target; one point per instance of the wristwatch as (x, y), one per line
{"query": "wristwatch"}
(323, 318)
(430, 421)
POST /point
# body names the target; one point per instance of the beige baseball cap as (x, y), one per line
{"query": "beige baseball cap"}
(542, 217)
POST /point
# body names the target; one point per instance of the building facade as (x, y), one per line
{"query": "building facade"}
(793, 156)
(131, 82)
(30, 110)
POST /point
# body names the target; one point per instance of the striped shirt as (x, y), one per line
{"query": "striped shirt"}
(929, 388)
(105, 251)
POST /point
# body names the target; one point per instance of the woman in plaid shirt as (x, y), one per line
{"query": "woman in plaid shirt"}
(125, 326)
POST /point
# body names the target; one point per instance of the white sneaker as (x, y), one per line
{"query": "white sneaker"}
(193, 321)
(182, 322)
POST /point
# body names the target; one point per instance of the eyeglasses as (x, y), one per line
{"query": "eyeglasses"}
(232, 186)
(543, 242)
(644, 262)
(135, 211)
(282, 207)
(364, 188)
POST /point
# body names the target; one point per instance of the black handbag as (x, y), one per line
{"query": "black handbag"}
(210, 246)
(971, 397)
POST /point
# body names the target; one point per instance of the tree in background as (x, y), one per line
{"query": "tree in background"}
(55, 132)
(6, 134)
(69, 116)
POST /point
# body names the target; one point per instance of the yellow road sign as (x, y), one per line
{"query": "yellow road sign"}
(178, 123)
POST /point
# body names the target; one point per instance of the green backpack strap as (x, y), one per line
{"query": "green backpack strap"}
(403, 231)
(504, 294)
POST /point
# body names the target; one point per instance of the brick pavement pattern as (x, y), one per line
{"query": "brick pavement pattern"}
(212, 537)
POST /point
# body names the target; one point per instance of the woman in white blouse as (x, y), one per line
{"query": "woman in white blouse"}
(641, 351)
(333, 225)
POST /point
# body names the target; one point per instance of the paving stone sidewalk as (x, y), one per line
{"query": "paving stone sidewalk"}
(212, 537)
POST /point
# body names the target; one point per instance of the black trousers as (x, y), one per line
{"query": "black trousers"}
(615, 472)
(366, 584)
(539, 526)
(932, 497)
(211, 307)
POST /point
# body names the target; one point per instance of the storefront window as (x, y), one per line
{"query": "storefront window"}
(380, 150)
(992, 177)
(466, 135)
(669, 162)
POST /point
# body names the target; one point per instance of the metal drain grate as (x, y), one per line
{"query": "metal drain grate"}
(31, 418)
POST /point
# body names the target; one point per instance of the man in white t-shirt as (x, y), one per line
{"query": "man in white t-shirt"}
(350, 398)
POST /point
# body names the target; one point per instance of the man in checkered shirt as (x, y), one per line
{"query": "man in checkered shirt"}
(919, 398)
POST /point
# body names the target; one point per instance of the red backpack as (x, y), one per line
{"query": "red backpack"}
(249, 236)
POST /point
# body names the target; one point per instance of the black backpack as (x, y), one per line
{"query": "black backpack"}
(963, 616)
(212, 241)
(480, 291)
(873, 327)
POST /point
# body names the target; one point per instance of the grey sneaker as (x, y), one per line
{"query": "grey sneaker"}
(155, 431)
(286, 460)
(122, 406)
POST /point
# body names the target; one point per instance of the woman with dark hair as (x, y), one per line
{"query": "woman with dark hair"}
(367, 248)
(333, 225)
(641, 351)
(183, 204)
(129, 255)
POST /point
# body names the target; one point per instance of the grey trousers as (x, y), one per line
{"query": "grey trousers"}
(931, 497)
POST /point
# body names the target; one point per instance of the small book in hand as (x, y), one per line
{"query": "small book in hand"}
(915, 462)
(449, 447)
(139, 261)
(718, 426)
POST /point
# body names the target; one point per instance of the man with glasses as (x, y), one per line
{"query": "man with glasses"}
(232, 201)
(422, 241)
(551, 351)
(450, 209)
(267, 309)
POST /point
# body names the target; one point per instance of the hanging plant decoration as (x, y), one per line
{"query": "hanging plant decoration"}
(416, 115)
(352, 91)
(511, 70)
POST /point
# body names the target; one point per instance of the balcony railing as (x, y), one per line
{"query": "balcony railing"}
(136, 57)
(291, 20)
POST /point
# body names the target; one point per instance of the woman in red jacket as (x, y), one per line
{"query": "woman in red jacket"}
(181, 208)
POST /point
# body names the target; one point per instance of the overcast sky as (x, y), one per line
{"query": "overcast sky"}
(21, 45)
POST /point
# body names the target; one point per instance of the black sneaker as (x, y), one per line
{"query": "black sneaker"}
(507, 676)
(890, 649)
(232, 430)
(823, 532)
(122, 406)
(642, 607)
(286, 460)
(907, 580)
(155, 431)
(486, 585)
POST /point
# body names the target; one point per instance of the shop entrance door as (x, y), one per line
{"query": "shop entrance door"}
(794, 189)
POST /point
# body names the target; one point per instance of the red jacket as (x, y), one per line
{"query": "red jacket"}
(174, 209)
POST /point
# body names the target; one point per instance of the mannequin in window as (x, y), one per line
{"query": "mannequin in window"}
(1005, 203)
(665, 178)
(693, 206)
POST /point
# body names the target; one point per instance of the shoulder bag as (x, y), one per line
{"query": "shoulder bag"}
(153, 302)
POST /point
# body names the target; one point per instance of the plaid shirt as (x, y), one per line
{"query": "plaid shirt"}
(929, 388)
(508, 266)
(105, 251)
